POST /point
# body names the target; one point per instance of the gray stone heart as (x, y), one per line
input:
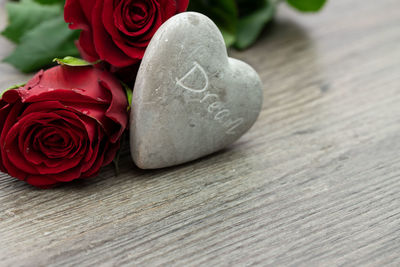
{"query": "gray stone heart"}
(190, 99)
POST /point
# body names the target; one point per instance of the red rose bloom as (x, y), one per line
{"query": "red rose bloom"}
(64, 124)
(118, 31)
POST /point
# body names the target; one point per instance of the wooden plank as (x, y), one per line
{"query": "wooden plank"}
(315, 182)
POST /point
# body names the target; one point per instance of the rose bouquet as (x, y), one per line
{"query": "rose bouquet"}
(68, 121)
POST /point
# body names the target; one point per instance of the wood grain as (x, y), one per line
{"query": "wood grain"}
(316, 182)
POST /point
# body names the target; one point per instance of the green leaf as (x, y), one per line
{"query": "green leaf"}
(229, 37)
(26, 15)
(73, 62)
(223, 12)
(129, 94)
(307, 5)
(51, 39)
(251, 26)
(247, 7)
(50, 2)
(15, 86)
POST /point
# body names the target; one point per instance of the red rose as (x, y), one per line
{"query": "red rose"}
(118, 31)
(65, 124)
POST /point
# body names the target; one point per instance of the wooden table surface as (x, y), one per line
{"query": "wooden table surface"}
(315, 182)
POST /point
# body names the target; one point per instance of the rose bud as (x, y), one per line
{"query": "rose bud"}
(118, 32)
(64, 124)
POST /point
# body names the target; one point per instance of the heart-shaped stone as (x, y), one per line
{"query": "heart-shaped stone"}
(190, 99)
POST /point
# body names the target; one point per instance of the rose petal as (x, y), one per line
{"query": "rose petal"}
(86, 46)
(77, 80)
(75, 16)
(129, 44)
(117, 109)
(168, 9)
(9, 122)
(89, 164)
(41, 181)
(182, 5)
(104, 44)
(119, 19)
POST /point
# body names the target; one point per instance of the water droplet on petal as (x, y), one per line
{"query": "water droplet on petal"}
(50, 89)
(78, 90)
(86, 112)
